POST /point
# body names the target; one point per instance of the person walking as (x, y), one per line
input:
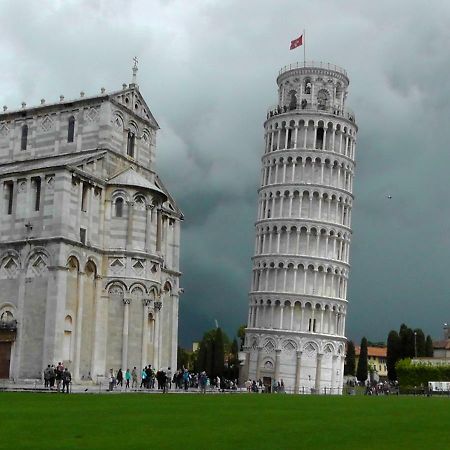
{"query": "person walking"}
(119, 378)
(134, 377)
(112, 380)
(47, 373)
(186, 379)
(58, 375)
(127, 379)
(203, 380)
(143, 377)
(66, 379)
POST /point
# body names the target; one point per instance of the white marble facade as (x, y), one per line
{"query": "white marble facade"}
(89, 239)
(298, 299)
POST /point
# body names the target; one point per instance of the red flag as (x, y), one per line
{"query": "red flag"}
(296, 42)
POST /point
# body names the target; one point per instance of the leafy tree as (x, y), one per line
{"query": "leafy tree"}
(241, 336)
(349, 367)
(362, 370)
(183, 358)
(429, 347)
(393, 354)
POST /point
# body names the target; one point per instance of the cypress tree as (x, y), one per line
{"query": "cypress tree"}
(219, 354)
(362, 370)
(407, 342)
(393, 354)
(419, 342)
(349, 367)
(429, 347)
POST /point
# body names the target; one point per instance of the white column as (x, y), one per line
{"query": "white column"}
(78, 325)
(145, 332)
(126, 313)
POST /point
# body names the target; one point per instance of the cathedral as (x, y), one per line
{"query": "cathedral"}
(89, 239)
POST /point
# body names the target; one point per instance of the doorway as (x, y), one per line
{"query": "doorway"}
(267, 381)
(5, 359)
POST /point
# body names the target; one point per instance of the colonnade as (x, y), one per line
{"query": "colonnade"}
(298, 316)
(301, 279)
(310, 134)
(308, 204)
(312, 241)
(307, 170)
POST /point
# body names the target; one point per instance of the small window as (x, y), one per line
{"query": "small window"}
(119, 207)
(71, 129)
(83, 235)
(84, 196)
(130, 144)
(36, 183)
(9, 195)
(24, 139)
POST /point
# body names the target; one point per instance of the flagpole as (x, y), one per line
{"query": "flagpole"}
(304, 47)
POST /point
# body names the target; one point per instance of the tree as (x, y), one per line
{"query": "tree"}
(362, 370)
(419, 342)
(349, 367)
(241, 336)
(406, 341)
(429, 347)
(218, 354)
(393, 354)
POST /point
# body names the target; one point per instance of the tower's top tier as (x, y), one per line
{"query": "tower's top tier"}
(313, 86)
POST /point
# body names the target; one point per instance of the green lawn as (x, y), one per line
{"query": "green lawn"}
(194, 422)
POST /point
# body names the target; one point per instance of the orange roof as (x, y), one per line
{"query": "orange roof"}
(381, 352)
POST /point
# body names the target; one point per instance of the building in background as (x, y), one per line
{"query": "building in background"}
(376, 362)
(441, 349)
(298, 299)
(89, 239)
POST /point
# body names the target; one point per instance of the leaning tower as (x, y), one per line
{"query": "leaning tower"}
(298, 298)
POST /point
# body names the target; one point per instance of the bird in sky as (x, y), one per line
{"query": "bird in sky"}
(389, 196)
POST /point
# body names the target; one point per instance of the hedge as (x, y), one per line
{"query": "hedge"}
(420, 373)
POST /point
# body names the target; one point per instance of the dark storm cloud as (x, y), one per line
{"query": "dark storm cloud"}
(208, 70)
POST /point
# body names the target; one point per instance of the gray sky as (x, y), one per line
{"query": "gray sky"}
(207, 70)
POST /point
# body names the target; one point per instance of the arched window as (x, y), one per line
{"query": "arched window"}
(292, 100)
(130, 144)
(24, 139)
(307, 86)
(119, 207)
(71, 129)
(322, 99)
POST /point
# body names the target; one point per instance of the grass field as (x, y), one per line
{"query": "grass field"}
(195, 422)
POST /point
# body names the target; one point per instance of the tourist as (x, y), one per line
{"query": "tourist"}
(52, 377)
(134, 377)
(169, 378)
(47, 374)
(58, 375)
(66, 379)
(127, 379)
(143, 377)
(203, 380)
(119, 378)
(112, 380)
(186, 378)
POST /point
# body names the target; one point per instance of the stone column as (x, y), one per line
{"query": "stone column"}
(277, 364)
(174, 335)
(298, 372)
(258, 363)
(129, 242)
(18, 347)
(333, 375)
(126, 313)
(145, 332)
(148, 229)
(96, 368)
(54, 315)
(158, 229)
(78, 324)
(318, 372)
(157, 335)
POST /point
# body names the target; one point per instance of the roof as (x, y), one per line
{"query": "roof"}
(380, 352)
(51, 161)
(444, 344)
(129, 177)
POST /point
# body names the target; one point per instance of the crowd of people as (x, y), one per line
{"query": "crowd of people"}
(59, 376)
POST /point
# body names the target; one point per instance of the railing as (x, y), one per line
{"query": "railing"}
(276, 110)
(312, 64)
